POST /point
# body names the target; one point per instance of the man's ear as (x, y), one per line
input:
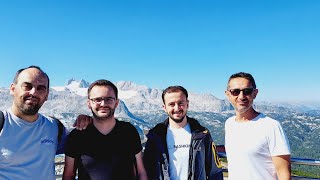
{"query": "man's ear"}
(227, 93)
(46, 98)
(88, 103)
(117, 102)
(187, 104)
(12, 88)
(255, 93)
(164, 108)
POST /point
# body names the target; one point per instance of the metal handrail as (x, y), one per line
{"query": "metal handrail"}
(301, 161)
(222, 154)
(304, 161)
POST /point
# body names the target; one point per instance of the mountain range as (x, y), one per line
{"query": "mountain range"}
(142, 106)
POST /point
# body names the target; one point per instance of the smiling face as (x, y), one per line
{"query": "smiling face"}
(243, 101)
(102, 102)
(176, 106)
(29, 92)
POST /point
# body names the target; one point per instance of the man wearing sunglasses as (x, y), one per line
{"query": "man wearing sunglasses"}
(107, 148)
(256, 145)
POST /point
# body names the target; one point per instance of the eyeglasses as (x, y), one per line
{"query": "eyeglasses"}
(245, 91)
(107, 100)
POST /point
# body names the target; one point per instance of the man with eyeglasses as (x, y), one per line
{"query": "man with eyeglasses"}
(179, 147)
(256, 145)
(107, 148)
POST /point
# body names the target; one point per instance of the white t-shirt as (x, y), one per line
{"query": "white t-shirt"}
(250, 146)
(178, 142)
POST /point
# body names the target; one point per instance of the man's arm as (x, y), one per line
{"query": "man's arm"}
(69, 172)
(282, 164)
(142, 174)
(62, 135)
(150, 157)
(82, 122)
(212, 161)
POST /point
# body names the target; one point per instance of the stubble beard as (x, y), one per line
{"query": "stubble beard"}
(103, 118)
(28, 109)
(176, 119)
(243, 109)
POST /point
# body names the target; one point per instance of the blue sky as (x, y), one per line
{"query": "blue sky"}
(196, 44)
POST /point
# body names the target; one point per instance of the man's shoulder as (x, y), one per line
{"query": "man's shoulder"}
(160, 126)
(126, 128)
(124, 124)
(77, 133)
(51, 121)
(267, 120)
(230, 119)
(195, 125)
(48, 118)
(158, 130)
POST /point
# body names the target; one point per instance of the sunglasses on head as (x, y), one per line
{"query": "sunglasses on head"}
(245, 91)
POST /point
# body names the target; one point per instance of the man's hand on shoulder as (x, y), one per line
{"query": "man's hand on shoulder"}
(82, 122)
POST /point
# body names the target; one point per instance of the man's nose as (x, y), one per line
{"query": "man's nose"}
(176, 106)
(33, 90)
(103, 102)
(241, 95)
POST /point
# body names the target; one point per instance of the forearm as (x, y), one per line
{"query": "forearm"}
(143, 176)
(68, 178)
(69, 172)
(284, 174)
(283, 166)
(284, 177)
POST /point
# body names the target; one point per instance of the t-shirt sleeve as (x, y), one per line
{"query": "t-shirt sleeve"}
(71, 147)
(135, 139)
(278, 142)
(62, 141)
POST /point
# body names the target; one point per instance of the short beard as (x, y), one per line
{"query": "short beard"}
(28, 110)
(177, 120)
(103, 118)
(32, 110)
(243, 110)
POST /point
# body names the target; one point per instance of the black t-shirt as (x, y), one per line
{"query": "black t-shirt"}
(99, 156)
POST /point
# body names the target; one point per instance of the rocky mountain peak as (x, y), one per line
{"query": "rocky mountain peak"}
(77, 84)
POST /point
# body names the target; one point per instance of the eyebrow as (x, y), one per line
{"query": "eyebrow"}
(41, 85)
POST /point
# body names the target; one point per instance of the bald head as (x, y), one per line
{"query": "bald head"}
(30, 90)
(35, 70)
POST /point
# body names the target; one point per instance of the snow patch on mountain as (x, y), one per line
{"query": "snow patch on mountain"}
(129, 85)
(127, 94)
(77, 87)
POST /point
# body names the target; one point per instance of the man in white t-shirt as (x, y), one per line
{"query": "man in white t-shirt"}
(180, 148)
(256, 145)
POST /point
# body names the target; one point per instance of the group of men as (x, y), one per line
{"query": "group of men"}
(102, 147)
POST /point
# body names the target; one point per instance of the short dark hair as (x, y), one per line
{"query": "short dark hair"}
(243, 75)
(103, 82)
(171, 89)
(16, 77)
